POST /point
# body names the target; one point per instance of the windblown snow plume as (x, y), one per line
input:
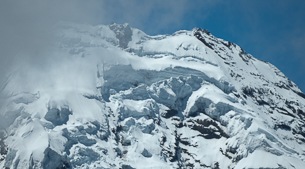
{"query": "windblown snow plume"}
(115, 97)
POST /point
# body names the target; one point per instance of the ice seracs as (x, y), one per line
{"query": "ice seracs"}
(123, 99)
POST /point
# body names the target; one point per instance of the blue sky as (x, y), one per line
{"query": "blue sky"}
(270, 30)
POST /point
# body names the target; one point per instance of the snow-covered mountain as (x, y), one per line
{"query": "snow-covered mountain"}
(113, 97)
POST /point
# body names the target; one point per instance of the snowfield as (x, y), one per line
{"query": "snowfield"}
(113, 97)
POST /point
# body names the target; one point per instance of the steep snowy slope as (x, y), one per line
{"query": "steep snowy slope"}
(115, 97)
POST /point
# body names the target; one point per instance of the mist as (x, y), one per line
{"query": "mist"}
(28, 27)
(28, 38)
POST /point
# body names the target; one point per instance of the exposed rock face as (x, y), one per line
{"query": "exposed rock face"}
(58, 116)
(123, 33)
(187, 100)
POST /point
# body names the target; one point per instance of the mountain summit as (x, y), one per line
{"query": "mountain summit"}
(112, 96)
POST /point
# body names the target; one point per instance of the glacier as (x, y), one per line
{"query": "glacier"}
(112, 96)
